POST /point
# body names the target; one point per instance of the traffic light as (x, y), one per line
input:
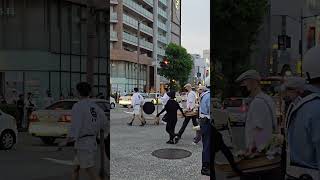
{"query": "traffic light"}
(164, 63)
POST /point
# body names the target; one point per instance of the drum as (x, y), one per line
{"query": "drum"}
(148, 108)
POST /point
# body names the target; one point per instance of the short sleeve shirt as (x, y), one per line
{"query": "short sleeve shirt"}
(87, 119)
(261, 114)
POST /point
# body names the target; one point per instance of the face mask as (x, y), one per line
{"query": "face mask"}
(244, 91)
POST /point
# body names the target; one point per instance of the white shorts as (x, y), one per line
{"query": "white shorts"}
(136, 110)
(85, 159)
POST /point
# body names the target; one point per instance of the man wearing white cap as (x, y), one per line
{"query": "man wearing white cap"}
(303, 135)
(261, 117)
(191, 104)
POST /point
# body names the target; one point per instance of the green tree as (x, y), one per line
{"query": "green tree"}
(177, 65)
(236, 24)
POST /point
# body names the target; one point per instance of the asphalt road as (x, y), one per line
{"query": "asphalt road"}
(131, 148)
(31, 160)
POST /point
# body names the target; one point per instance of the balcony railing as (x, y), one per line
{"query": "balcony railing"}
(162, 39)
(134, 23)
(150, 2)
(164, 2)
(162, 13)
(136, 7)
(113, 36)
(134, 40)
(161, 52)
(162, 26)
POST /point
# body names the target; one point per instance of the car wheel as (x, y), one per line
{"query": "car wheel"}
(125, 106)
(112, 105)
(7, 139)
(48, 140)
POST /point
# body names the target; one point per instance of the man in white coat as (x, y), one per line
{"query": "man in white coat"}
(136, 103)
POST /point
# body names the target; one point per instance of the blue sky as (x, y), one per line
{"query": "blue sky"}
(195, 25)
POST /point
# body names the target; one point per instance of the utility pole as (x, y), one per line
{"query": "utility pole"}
(92, 40)
(138, 55)
(301, 41)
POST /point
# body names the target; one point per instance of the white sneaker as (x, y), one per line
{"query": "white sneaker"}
(193, 143)
(163, 122)
(196, 128)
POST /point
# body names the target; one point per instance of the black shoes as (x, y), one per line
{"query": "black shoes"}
(170, 142)
(205, 171)
(129, 124)
(143, 123)
(176, 139)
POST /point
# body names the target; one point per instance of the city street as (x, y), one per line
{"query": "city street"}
(132, 147)
(31, 160)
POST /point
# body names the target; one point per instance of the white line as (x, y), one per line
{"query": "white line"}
(64, 162)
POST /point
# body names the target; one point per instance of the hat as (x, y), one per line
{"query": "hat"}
(187, 85)
(250, 74)
(293, 82)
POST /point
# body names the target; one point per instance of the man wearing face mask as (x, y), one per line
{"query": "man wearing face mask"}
(261, 119)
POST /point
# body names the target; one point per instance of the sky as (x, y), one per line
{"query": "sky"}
(195, 25)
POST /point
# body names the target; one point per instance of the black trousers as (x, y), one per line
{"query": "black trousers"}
(219, 145)
(170, 127)
(186, 122)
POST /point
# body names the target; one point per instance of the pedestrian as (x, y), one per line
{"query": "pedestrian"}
(171, 108)
(136, 103)
(20, 111)
(258, 128)
(30, 106)
(191, 105)
(87, 121)
(164, 99)
(303, 135)
(202, 90)
(48, 100)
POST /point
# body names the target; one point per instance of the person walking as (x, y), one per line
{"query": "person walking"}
(48, 99)
(136, 102)
(164, 99)
(171, 108)
(191, 104)
(303, 135)
(87, 120)
(30, 106)
(20, 111)
(258, 129)
(201, 90)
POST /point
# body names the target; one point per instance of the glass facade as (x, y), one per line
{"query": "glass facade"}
(52, 54)
(124, 76)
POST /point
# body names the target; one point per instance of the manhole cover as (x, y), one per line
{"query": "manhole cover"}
(171, 153)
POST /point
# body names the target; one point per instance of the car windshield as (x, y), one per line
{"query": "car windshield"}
(233, 103)
(62, 105)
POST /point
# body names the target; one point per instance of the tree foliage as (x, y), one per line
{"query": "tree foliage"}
(236, 25)
(179, 65)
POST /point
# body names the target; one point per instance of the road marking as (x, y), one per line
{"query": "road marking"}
(64, 162)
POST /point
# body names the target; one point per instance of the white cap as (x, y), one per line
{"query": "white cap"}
(250, 74)
(187, 85)
(294, 82)
(311, 63)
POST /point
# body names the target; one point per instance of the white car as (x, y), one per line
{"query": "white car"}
(8, 131)
(112, 103)
(53, 122)
(152, 97)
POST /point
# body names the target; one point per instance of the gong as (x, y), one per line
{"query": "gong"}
(148, 108)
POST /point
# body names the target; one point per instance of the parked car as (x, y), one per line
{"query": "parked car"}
(112, 103)
(8, 131)
(53, 122)
(125, 100)
(237, 107)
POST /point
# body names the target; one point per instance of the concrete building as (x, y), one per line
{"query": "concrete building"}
(206, 54)
(159, 25)
(43, 46)
(200, 69)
